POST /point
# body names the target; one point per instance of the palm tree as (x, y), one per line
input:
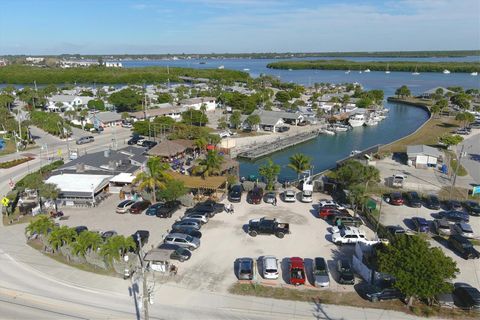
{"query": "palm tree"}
(85, 241)
(201, 143)
(203, 108)
(83, 116)
(41, 226)
(117, 246)
(299, 163)
(154, 177)
(211, 164)
(61, 236)
(370, 174)
(269, 171)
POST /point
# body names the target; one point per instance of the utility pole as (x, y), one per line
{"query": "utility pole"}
(456, 170)
(143, 267)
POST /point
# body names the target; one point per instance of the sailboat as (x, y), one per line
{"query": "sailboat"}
(446, 71)
(416, 73)
(387, 71)
(367, 70)
(347, 72)
(474, 73)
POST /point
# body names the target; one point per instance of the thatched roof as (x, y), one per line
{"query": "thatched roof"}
(193, 182)
(167, 148)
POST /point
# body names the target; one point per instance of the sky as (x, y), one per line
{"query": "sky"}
(40, 27)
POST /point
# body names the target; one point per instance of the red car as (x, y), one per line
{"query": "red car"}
(396, 199)
(297, 271)
(325, 213)
(139, 206)
(255, 196)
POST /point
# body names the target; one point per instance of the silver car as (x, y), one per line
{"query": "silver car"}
(320, 273)
(464, 229)
(182, 240)
(201, 218)
(270, 267)
(289, 196)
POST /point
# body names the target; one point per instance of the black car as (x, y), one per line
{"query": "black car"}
(207, 206)
(108, 234)
(432, 202)
(163, 210)
(149, 144)
(235, 194)
(413, 199)
(345, 272)
(463, 247)
(190, 231)
(134, 139)
(141, 238)
(472, 207)
(375, 293)
(179, 253)
(466, 297)
(395, 230)
(80, 229)
(152, 210)
(453, 205)
(455, 216)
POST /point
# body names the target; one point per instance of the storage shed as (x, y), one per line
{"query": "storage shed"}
(422, 156)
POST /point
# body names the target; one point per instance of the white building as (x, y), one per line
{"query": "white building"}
(422, 156)
(195, 103)
(34, 59)
(62, 103)
(115, 64)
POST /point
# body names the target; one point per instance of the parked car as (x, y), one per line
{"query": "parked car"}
(307, 196)
(396, 199)
(442, 227)
(270, 197)
(255, 196)
(324, 203)
(245, 269)
(413, 199)
(124, 206)
(140, 142)
(149, 144)
(376, 293)
(152, 210)
(85, 139)
(270, 267)
(472, 207)
(455, 216)
(345, 272)
(139, 206)
(453, 205)
(464, 229)
(210, 207)
(348, 235)
(463, 247)
(163, 210)
(178, 253)
(80, 229)
(395, 230)
(265, 226)
(182, 240)
(431, 202)
(140, 237)
(186, 223)
(134, 139)
(345, 220)
(127, 125)
(320, 272)
(289, 196)
(190, 231)
(201, 218)
(297, 271)
(235, 194)
(108, 234)
(326, 213)
(421, 224)
(466, 297)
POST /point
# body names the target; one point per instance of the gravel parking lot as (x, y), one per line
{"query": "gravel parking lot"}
(401, 215)
(224, 240)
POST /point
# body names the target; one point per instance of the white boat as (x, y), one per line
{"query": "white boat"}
(415, 73)
(354, 152)
(246, 69)
(367, 70)
(221, 67)
(371, 122)
(339, 128)
(347, 72)
(359, 71)
(474, 73)
(446, 71)
(290, 69)
(387, 71)
(329, 132)
(356, 120)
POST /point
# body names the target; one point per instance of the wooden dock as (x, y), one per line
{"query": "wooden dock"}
(269, 147)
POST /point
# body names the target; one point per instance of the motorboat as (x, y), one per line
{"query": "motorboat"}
(474, 73)
(290, 69)
(355, 152)
(347, 72)
(246, 69)
(328, 132)
(357, 120)
(367, 70)
(371, 123)
(446, 71)
(221, 67)
(340, 128)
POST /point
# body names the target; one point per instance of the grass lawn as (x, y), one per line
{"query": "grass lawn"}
(9, 147)
(16, 218)
(343, 298)
(428, 135)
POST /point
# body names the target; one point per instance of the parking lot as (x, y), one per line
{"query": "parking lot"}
(224, 240)
(401, 215)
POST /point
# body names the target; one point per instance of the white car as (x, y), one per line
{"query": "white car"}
(307, 196)
(270, 267)
(124, 206)
(325, 202)
(140, 142)
(348, 235)
(463, 229)
(289, 196)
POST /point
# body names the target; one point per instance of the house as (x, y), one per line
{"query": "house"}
(422, 156)
(160, 110)
(105, 119)
(76, 188)
(195, 103)
(63, 102)
(272, 120)
(429, 94)
(109, 64)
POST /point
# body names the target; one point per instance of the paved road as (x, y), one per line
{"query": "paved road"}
(472, 159)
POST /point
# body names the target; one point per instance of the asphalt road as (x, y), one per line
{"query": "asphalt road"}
(471, 161)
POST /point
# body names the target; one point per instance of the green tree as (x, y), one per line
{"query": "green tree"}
(49, 191)
(61, 236)
(165, 98)
(357, 196)
(211, 164)
(125, 115)
(117, 246)
(126, 100)
(353, 172)
(253, 121)
(403, 92)
(201, 143)
(364, 102)
(194, 117)
(462, 100)
(235, 119)
(420, 271)
(465, 118)
(85, 241)
(83, 117)
(173, 190)
(154, 177)
(96, 104)
(222, 123)
(451, 140)
(299, 163)
(41, 225)
(439, 106)
(269, 171)
(282, 96)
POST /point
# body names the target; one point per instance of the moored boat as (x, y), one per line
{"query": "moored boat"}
(356, 120)
(446, 71)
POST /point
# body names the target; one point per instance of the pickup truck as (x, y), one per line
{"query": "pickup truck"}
(268, 227)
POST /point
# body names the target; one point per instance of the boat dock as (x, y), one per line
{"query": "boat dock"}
(265, 149)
